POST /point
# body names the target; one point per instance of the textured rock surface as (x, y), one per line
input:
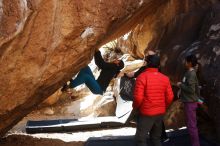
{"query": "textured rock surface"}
(43, 43)
(149, 33)
(203, 41)
(188, 27)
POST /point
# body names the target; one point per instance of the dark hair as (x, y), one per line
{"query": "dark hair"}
(117, 50)
(121, 64)
(192, 59)
(153, 61)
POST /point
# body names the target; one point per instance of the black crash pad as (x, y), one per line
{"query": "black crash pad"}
(68, 125)
(177, 138)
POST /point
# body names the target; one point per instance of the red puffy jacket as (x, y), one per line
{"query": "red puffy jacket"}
(152, 93)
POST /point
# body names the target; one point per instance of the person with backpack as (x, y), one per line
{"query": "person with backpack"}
(109, 70)
(152, 96)
(189, 95)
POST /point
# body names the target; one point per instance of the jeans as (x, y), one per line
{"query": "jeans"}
(163, 134)
(191, 122)
(134, 116)
(86, 76)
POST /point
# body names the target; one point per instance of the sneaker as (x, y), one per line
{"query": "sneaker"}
(72, 92)
(65, 88)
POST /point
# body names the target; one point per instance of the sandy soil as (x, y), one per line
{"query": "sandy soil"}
(61, 139)
(28, 140)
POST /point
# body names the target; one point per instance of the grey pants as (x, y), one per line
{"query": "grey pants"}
(151, 125)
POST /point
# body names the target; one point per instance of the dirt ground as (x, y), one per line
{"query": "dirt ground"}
(28, 140)
(62, 139)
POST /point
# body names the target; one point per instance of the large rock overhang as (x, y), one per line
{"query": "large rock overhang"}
(44, 43)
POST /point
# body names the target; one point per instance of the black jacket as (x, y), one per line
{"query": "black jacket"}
(108, 71)
(137, 73)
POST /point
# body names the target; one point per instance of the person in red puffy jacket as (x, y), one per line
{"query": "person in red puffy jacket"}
(152, 95)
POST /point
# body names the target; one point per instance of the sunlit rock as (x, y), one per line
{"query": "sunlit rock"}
(44, 43)
(48, 111)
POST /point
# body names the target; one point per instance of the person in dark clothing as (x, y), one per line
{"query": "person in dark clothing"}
(190, 96)
(164, 136)
(108, 72)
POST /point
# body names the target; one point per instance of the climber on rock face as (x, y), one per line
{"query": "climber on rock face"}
(109, 70)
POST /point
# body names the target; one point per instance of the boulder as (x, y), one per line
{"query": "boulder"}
(44, 43)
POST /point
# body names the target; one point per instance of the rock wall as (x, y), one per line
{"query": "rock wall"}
(148, 34)
(202, 38)
(43, 43)
(177, 29)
